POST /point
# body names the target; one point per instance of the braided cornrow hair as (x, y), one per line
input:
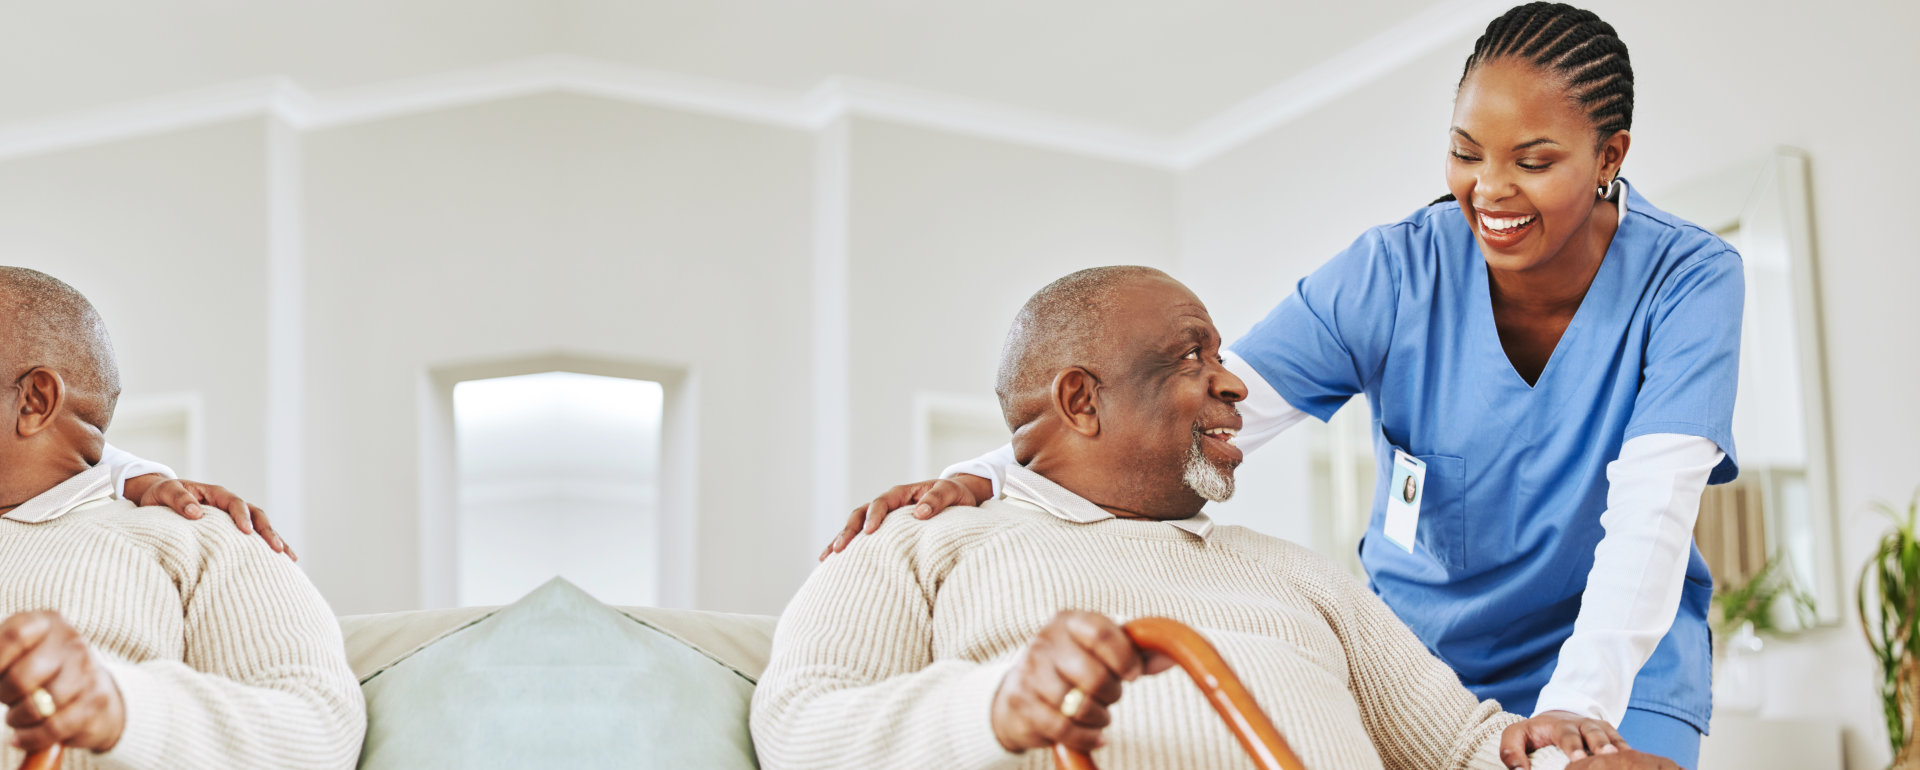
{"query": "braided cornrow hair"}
(1572, 44)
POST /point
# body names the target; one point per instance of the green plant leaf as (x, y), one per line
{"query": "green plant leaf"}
(1890, 616)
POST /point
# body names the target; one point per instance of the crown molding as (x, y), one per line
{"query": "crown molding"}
(945, 112)
(552, 74)
(814, 110)
(128, 120)
(1374, 58)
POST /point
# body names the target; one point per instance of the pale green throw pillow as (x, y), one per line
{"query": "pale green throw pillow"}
(557, 679)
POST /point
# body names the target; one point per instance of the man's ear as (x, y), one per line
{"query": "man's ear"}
(1073, 394)
(42, 395)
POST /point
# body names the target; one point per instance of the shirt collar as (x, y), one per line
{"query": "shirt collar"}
(85, 489)
(1026, 486)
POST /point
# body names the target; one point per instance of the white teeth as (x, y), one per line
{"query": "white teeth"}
(1504, 224)
(1225, 434)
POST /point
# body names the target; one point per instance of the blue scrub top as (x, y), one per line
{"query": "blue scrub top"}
(1516, 474)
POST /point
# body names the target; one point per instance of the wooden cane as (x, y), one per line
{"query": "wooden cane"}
(44, 759)
(1217, 681)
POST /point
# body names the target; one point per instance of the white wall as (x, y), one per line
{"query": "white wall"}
(558, 223)
(949, 236)
(167, 236)
(1718, 82)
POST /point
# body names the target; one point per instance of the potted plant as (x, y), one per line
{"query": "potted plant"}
(1890, 618)
(1743, 613)
(1754, 605)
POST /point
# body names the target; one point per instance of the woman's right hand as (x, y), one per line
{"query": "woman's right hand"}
(932, 496)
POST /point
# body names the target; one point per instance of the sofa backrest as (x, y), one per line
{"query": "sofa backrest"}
(376, 641)
(557, 678)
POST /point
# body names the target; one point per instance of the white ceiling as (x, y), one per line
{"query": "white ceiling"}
(1153, 66)
(1159, 66)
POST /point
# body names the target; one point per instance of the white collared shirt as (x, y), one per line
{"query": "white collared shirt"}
(1026, 487)
(86, 489)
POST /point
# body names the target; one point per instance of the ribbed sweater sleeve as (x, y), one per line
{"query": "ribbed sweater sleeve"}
(889, 656)
(1415, 710)
(265, 681)
(853, 681)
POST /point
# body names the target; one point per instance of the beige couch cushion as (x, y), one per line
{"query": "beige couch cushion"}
(558, 678)
(741, 642)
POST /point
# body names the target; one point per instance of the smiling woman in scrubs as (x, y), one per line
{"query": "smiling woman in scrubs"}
(1558, 358)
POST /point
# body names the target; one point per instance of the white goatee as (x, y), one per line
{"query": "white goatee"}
(1205, 478)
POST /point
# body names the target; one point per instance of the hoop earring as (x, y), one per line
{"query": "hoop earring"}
(1605, 191)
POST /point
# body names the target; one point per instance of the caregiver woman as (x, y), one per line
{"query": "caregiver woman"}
(1562, 357)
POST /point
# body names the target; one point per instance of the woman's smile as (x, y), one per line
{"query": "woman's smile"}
(1504, 230)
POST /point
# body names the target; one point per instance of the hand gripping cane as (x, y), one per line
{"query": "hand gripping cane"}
(44, 759)
(1217, 681)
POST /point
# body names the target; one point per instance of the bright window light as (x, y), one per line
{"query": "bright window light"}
(558, 476)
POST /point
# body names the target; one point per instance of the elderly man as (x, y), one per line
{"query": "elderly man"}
(135, 637)
(967, 640)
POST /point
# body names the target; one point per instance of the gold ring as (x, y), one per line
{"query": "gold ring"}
(1070, 705)
(42, 702)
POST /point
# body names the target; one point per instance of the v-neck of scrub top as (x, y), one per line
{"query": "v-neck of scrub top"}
(1599, 316)
(1516, 476)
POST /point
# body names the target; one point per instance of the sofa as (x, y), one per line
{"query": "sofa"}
(557, 679)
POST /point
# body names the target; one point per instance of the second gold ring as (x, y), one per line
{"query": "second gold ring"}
(1070, 706)
(43, 704)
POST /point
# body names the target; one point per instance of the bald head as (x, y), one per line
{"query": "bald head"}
(46, 323)
(1060, 326)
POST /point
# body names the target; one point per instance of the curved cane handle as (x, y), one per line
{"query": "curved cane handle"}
(44, 759)
(1216, 681)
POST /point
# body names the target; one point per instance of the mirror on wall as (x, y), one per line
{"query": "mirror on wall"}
(1781, 507)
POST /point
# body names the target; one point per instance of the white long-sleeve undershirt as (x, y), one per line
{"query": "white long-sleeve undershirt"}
(1639, 567)
(126, 466)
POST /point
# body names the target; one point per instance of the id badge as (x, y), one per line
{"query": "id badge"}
(1403, 499)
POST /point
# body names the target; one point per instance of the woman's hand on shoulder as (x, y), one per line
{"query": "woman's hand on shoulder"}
(1575, 736)
(186, 498)
(932, 496)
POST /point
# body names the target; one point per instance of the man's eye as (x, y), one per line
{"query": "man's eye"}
(1192, 355)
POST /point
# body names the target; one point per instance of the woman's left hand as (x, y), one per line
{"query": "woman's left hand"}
(185, 498)
(1576, 736)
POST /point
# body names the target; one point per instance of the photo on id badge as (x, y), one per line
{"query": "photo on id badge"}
(1403, 499)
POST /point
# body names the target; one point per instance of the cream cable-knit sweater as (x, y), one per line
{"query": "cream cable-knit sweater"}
(891, 653)
(224, 653)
